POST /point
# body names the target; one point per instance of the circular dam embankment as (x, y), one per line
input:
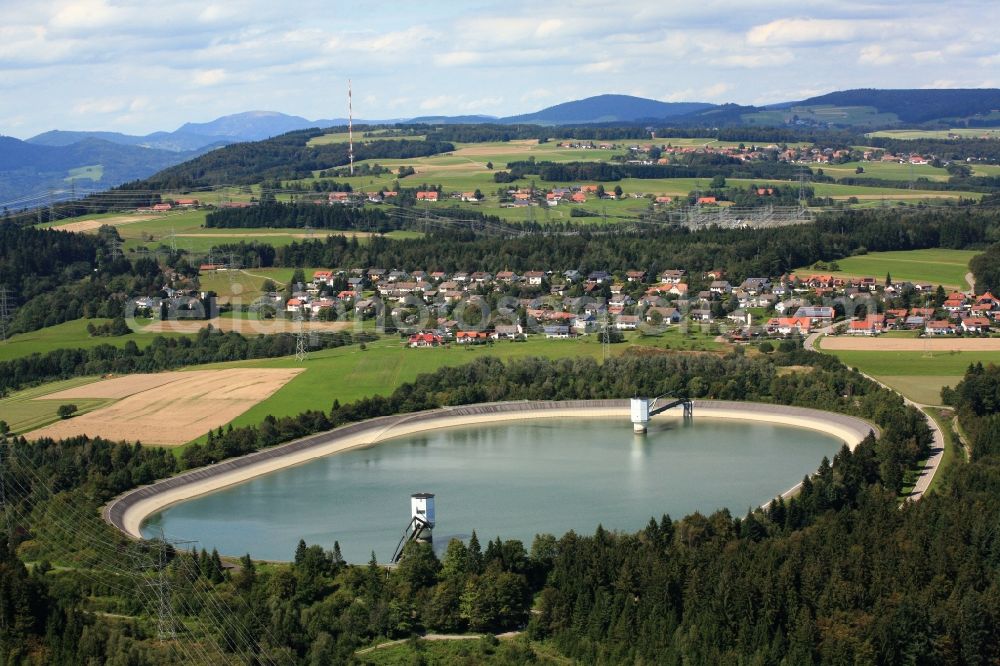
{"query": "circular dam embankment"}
(129, 511)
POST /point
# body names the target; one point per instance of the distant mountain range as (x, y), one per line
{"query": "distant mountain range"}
(104, 159)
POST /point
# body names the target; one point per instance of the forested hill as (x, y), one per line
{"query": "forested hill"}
(29, 169)
(607, 108)
(914, 106)
(284, 157)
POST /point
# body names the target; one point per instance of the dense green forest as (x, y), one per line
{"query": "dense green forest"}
(55, 276)
(985, 269)
(652, 596)
(977, 401)
(652, 247)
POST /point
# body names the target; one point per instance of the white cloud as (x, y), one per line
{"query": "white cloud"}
(209, 77)
(601, 67)
(457, 58)
(874, 54)
(756, 59)
(804, 31)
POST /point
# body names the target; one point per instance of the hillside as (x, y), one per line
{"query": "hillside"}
(28, 170)
(284, 157)
(914, 106)
(607, 108)
(177, 142)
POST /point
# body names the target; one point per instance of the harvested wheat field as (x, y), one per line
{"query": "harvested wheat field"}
(247, 326)
(844, 343)
(169, 408)
(94, 225)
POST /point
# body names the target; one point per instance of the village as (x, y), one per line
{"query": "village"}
(434, 307)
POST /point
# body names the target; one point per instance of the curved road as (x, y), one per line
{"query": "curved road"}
(937, 449)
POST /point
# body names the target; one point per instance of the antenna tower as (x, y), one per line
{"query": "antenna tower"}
(350, 127)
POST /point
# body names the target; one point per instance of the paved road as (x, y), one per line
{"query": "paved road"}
(937, 448)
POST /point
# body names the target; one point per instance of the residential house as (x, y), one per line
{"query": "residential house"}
(720, 287)
(556, 331)
(534, 278)
(507, 331)
(672, 276)
(787, 325)
(975, 325)
(635, 276)
(421, 340)
(939, 328)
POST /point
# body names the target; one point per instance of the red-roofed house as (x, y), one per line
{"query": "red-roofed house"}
(419, 340)
(787, 325)
(976, 325)
(427, 196)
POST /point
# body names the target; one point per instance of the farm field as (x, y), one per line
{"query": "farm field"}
(246, 326)
(823, 113)
(71, 334)
(24, 412)
(186, 230)
(916, 374)
(167, 408)
(883, 344)
(938, 134)
(887, 171)
(937, 266)
(349, 373)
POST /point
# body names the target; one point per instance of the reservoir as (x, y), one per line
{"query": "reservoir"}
(512, 479)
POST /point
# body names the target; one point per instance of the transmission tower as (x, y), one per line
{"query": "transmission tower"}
(234, 266)
(301, 349)
(606, 337)
(115, 249)
(350, 127)
(153, 556)
(6, 310)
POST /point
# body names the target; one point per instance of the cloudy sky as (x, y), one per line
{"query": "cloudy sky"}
(138, 66)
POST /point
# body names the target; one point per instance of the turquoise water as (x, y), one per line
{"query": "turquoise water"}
(513, 480)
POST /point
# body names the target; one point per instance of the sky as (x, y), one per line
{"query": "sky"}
(139, 66)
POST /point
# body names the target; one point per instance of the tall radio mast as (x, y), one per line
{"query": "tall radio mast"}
(350, 127)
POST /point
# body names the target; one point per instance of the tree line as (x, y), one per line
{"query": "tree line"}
(209, 345)
(977, 401)
(652, 247)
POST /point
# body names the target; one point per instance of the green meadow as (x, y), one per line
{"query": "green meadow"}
(887, 171)
(350, 373)
(938, 134)
(70, 334)
(937, 266)
(27, 410)
(918, 375)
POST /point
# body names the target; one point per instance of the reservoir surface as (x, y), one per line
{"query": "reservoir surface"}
(513, 479)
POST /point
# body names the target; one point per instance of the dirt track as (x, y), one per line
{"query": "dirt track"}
(844, 343)
(168, 408)
(316, 233)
